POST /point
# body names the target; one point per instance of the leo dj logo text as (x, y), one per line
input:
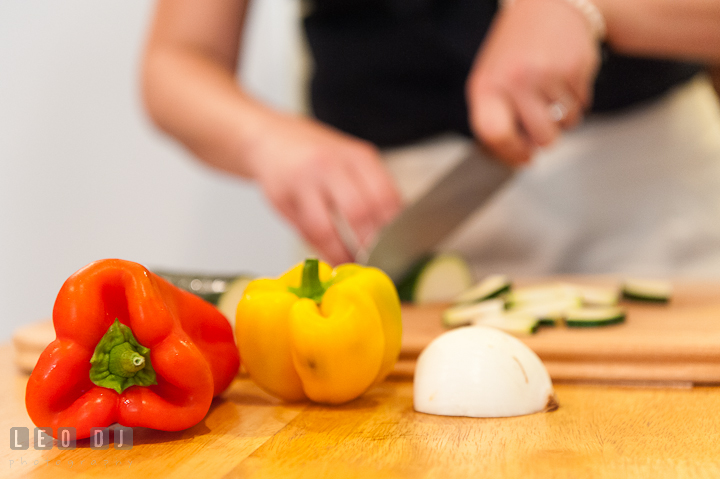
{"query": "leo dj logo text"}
(66, 438)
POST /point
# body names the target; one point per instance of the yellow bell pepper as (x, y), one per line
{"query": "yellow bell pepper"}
(318, 333)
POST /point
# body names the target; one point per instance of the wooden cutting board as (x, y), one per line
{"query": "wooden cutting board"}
(675, 342)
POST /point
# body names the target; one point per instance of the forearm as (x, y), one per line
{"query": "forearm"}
(189, 85)
(197, 100)
(664, 28)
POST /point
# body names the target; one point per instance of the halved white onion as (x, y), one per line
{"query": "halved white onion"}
(480, 371)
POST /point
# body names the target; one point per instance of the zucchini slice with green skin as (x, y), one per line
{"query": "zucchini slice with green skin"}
(517, 322)
(549, 311)
(436, 279)
(594, 317)
(465, 314)
(647, 290)
(537, 294)
(595, 295)
(490, 287)
(406, 286)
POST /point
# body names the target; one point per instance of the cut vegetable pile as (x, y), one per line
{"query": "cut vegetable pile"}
(494, 302)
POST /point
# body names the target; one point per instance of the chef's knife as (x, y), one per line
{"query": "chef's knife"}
(420, 227)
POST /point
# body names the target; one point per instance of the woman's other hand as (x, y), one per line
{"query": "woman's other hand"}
(532, 78)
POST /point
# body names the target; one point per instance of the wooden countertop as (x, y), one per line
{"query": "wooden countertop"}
(598, 432)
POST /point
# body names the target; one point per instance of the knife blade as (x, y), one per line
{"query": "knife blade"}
(421, 226)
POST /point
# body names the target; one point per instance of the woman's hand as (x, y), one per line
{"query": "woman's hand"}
(532, 78)
(315, 176)
(318, 177)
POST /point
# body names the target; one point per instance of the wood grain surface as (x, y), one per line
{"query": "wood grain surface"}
(679, 341)
(598, 432)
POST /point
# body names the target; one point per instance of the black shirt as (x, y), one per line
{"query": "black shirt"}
(394, 71)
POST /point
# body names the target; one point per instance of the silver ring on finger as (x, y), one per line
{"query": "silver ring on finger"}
(558, 111)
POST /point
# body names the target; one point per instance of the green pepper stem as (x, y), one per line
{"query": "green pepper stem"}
(119, 361)
(311, 287)
(125, 361)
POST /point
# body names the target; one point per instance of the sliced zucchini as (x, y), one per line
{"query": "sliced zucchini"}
(406, 286)
(513, 322)
(228, 301)
(549, 311)
(647, 290)
(588, 317)
(490, 287)
(465, 314)
(436, 279)
(594, 295)
(538, 294)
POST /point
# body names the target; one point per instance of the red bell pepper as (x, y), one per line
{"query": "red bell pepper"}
(159, 354)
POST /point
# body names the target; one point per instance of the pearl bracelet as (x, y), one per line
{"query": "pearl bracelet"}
(588, 9)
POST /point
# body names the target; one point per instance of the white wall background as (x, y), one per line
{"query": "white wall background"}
(84, 176)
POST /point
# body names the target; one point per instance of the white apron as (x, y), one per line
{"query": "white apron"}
(636, 192)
